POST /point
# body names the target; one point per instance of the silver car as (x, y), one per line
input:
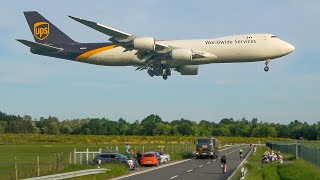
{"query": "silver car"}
(165, 158)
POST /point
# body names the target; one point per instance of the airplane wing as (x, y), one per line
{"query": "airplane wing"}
(126, 40)
(153, 54)
(35, 45)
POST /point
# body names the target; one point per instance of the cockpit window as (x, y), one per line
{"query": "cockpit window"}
(273, 36)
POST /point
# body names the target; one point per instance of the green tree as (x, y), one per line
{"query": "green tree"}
(161, 129)
(149, 124)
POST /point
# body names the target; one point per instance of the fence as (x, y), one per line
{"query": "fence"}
(301, 150)
(52, 159)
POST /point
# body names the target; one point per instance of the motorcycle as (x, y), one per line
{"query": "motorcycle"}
(131, 164)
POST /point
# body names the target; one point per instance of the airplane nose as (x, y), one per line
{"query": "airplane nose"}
(290, 48)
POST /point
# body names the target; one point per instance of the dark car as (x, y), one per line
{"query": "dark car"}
(110, 158)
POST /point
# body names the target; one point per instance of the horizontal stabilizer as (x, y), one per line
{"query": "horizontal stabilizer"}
(44, 47)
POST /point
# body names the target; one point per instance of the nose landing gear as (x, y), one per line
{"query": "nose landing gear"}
(266, 68)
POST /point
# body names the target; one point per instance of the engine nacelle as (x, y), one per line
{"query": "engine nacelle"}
(188, 69)
(144, 43)
(181, 54)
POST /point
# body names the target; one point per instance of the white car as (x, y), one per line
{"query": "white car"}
(165, 158)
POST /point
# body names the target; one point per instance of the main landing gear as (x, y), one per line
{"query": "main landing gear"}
(160, 70)
(266, 68)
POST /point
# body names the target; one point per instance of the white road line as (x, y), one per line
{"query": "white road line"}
(245, 159)
(174, 177)
(151, 169)
(200, 166)
(190, 170)
(208, 162)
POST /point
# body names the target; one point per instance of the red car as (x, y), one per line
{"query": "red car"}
(149, 158)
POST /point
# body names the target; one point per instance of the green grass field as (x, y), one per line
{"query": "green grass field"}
(54, 150)
(26, 155)
(291, 169)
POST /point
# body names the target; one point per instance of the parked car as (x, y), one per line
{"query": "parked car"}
(164, 157)
(110, 158)
(149, 158)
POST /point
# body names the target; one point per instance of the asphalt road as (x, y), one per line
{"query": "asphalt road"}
(201, 169)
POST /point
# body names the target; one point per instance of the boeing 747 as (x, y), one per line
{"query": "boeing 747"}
(159, 58)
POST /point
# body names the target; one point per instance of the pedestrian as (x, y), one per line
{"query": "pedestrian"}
(127, 147)
(139, 156)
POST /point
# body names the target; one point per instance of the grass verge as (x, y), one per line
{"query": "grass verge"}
(290, 170)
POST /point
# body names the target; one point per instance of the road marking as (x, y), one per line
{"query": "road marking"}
(151, 169)
(208, 162)
(200, 166)
(240, 163)
(190, 170)
(163, 166)
(174, 177)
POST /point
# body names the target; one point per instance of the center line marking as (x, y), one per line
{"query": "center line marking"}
(190, 170)
(200, 166)
(174, 177)
(208, 162)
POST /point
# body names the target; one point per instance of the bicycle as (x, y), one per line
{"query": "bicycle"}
(224, 167)
(224, 163)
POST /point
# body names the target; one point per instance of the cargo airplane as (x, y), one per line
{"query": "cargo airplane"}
(159, 58)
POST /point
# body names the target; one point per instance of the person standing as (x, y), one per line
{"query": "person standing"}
(139, 156)
(127, 149)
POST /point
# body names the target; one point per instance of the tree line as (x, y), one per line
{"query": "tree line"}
(154, 125)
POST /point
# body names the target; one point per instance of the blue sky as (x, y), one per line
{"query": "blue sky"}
(43, 86)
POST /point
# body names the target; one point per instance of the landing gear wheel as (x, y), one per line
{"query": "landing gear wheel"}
(168, 71)
(151, 72)
(165, 77)
(266, 68)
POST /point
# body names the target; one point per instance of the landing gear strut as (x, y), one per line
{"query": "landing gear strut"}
(266, 68)
(166, 72)
(160, 70)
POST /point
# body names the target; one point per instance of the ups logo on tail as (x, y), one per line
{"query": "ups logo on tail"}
(41, 30)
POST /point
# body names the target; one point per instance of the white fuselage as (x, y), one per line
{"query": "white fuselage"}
(228, 49)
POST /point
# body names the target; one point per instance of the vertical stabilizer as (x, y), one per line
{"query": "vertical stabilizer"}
(44, 31)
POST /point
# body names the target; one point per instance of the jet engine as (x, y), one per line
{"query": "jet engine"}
(144, 43)
(188, 70)
(181, 54)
